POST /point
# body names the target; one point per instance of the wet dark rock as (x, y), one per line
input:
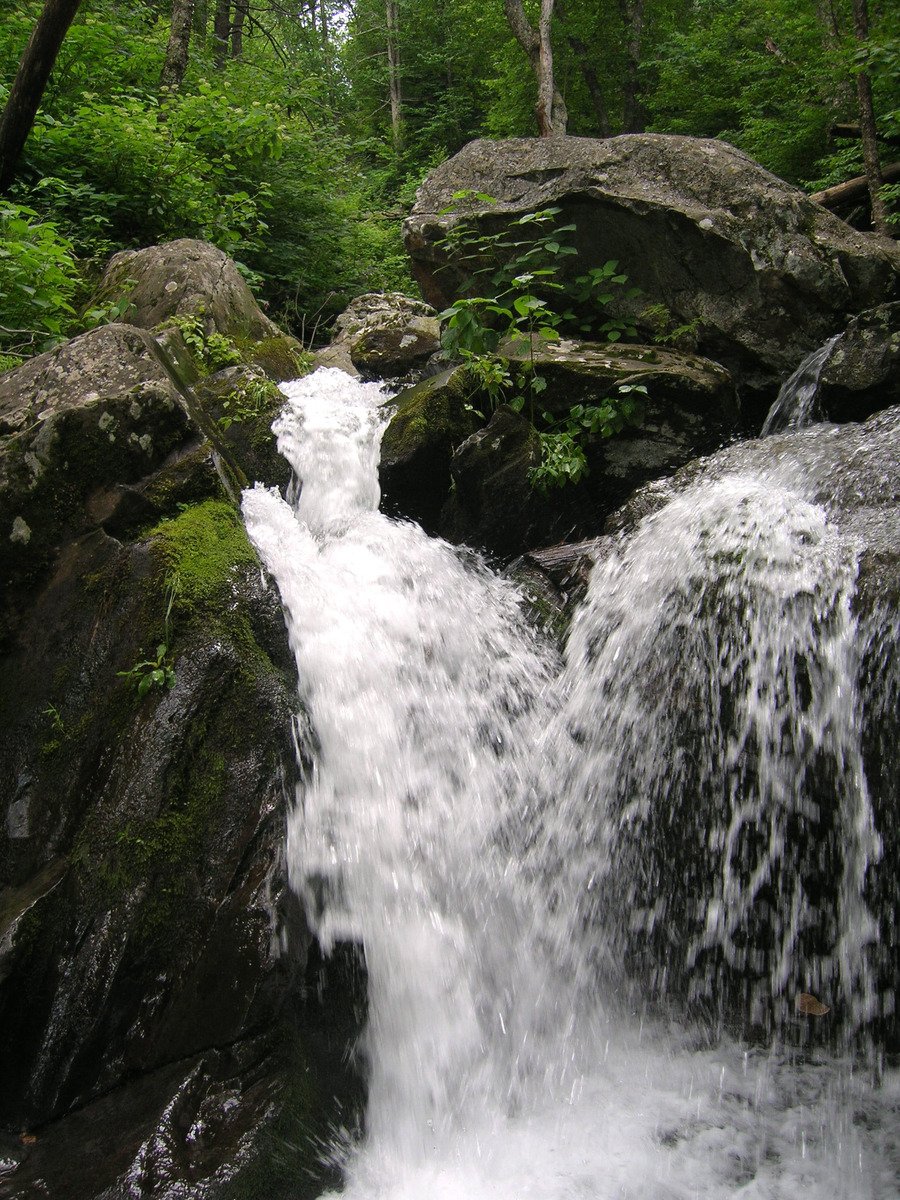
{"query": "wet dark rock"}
(862, 374)
(153, 961)
(382, 335)
(432, 419)
(493, 505)
(699, 227)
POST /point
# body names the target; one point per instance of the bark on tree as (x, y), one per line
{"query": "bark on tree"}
(241, 11)
(632, 110)
(550, 109)
(176, 59)
(30, 81)
(867, 124)
(221, 31)
(592, 83)
(394, 87)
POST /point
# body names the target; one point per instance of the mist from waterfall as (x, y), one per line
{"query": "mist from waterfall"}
(549, 860)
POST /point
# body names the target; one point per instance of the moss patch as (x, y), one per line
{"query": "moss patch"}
(203, 546)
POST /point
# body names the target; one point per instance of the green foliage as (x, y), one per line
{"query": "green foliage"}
(210, 351)
(157, 672)
(248, 402)
(38, 279)
(563, 459)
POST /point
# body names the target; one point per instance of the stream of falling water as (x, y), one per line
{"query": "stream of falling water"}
(469, 821)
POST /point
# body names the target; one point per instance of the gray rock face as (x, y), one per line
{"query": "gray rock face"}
(382, 335)
(182, 278)
(862, 374)
(694, 223)
(480, 486)
(152, 957)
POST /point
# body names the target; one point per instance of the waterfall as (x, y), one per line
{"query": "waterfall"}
(553, 865)
(794, 406)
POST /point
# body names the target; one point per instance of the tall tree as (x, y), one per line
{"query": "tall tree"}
(632, 112)
(550, 109)
(394, 86)
(867, 122)
(30, 81)
(176, 59)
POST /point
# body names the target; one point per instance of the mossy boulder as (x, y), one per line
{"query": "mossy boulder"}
(432, 419)
(185, 277)
(104, 410)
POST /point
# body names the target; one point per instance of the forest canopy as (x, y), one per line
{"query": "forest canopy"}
(293, 135)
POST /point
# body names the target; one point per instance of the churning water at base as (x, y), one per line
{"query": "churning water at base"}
(523, 844)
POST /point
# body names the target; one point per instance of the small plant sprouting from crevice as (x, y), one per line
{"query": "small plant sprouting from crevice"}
(158, 672)
(563, 458)
(211, 351)
(248, 402)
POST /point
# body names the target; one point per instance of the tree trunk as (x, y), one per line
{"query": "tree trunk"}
(176, 60)
(30, 81)
(550, 109)
(241, 9)
(592, 83)
(867, 124)
(221, 31)
(853, 189)
(393, 58)
(201, 20)
(632, 110)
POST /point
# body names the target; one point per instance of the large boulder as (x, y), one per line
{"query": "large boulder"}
(766, 273)
(157, 975)
(382, 335)
(185, 278)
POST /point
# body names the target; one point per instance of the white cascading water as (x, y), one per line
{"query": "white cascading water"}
(794, 406)
(471, 821)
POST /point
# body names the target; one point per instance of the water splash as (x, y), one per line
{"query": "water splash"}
(514, 841)
(794, 406)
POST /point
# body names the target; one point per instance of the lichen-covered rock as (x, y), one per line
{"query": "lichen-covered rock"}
(431, 420)
(862, 373)
(185, 278)
(694, 223)
(104, 409)
(382, 335)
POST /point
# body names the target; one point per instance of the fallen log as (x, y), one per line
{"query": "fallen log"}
(853, 189)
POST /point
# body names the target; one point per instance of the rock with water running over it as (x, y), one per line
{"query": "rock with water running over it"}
(763, 273)
(382, 335)
(755, 807)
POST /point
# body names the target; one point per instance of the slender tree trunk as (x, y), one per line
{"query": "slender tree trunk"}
(632, 111)
(176, 60)
(867, 123)
(201, 20)
(30, 81)
(592, 83)
(393, 58)
(550, 109)
(241, 9)
(221, 31)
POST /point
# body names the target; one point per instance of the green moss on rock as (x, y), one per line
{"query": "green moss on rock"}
(203, 546)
